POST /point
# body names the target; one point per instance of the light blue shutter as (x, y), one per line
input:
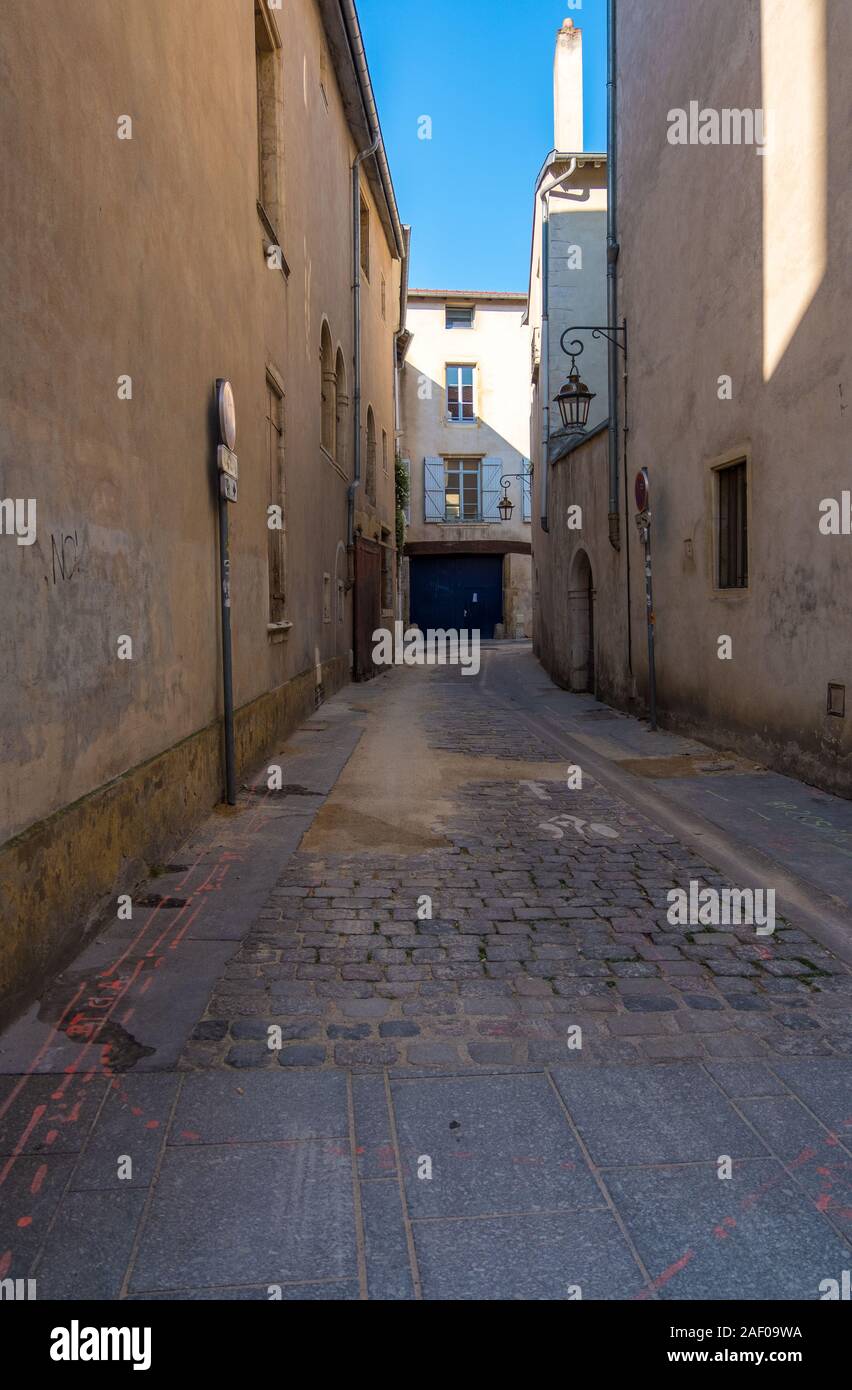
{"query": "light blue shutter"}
(491, 494)
(525, 466)
(433, 489)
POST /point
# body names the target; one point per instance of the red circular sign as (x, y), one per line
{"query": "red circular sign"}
(642, 489)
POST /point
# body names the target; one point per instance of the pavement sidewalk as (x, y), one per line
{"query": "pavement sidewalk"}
(497, 1069)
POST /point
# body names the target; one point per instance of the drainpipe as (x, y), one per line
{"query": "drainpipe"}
(356, 314)
(612, 250)
(544, 365)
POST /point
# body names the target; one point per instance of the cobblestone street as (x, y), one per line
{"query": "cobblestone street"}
(498, 1069)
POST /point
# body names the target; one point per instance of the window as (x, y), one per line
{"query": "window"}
(326, 598)
(384, 451)
(384, 297)
(269, 136)
(733, 526)
(461, 490)
(460, 395)
(365, 238)
(328, 416)
(459, 316)
(526, 469)
(275, 493)
(341, 431)
(371, 455)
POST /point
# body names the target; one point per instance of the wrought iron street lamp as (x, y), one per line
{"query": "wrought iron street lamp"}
(506, 506)
(575, 397)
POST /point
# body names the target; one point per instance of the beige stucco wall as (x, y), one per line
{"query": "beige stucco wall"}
(579, 479)
(146, 257)
(738, 263)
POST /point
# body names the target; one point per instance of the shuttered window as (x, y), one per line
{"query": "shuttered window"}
(733, 527)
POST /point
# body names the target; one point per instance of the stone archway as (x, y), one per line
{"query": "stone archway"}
(581, 624)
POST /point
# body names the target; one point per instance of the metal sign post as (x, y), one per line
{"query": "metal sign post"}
(643, 522)
(226, 461)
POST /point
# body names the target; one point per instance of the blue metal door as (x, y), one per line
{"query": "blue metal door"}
(457, 591)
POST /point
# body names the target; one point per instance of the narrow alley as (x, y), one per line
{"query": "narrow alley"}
(420, 1025)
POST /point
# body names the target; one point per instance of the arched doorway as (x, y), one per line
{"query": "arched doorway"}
(581, 624)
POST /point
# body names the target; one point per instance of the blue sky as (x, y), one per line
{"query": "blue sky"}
(483, 71)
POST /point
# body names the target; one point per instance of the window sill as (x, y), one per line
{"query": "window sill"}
(335, 465)
(266, 223)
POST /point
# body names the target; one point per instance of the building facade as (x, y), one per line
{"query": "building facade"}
(466, 421)
(181, 208)
(738, 361)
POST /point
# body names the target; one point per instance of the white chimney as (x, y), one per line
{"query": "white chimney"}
(568, 89)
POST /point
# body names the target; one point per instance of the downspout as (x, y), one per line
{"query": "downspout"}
(612, 250)
(356, 315)
(544, 365)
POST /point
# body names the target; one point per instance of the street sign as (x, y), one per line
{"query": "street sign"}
(227, 487)
(642, 490)
(227, 413)
(226, 460)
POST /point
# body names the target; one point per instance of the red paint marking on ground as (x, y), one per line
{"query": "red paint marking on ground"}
(24, 1221)
(5, 1263)
(137, 1110)
(25, 1078)
(146, 984)
(127, 1016)
(823, 1202)
(185, 928)
(91, 1029)
(141, 933)
(41, 1174)
(188, 1134)
(70, 1071)
(51, 1136)
(152, 1124)
(668, 1274)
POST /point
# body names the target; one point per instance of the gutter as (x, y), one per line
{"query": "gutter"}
(356, 317)
(352, 26)
(544, 365)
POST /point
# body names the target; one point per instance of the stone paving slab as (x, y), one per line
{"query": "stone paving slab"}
(496, 1145)
(389, 1275)
(89, 1246)
(530, 1256)
(217, 1108)
(241, 1214)
(752, 1236)
(654, 1115)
